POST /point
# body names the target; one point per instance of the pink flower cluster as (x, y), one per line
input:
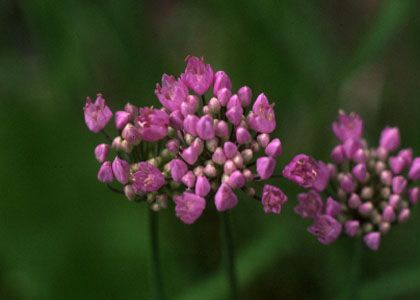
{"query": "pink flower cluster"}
(210, 149)
(367, 190)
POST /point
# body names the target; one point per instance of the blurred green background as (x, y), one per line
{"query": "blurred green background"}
(65, 236)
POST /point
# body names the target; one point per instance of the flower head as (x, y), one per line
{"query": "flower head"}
(97, 114)
(368, 198)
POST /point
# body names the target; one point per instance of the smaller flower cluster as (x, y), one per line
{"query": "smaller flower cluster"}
(191, 149)
(367, 190)
(134, 165)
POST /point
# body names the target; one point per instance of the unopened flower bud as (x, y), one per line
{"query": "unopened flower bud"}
(337, 154)
(116, 143)
(189, 179)
(367, 193)
(263, 139)
(384, 227)
(247, 155)
(354, 201)
(372, 240)
(230, 150)
(255, 147)
(239, 161)
(212, 144)
(101, 152)
(386, 177)
(365, 209)
(388, 214)
(214, 105)
(359, 171)
(248, 174)
(229, 167)
(399, 184)
(129, 192)
(404, 215)
(121, 119)
(245, 95)
(173, 145)
(390, 138)
(219, 156)
(243, 136)
(236, 180)
(210, 171)
(351, 227)
(347, 183)
(105, 174)
(222, 129)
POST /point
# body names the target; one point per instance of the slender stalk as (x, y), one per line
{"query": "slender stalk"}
(228, 253)
(355, 270)
(158, 293)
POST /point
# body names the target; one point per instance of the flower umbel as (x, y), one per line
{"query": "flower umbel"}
(368, 190)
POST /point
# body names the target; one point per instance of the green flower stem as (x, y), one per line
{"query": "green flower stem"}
(355, 270)
(228, 253)
(158, 292)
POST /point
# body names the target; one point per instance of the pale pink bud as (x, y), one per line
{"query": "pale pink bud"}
(407, 155)
(390, 139)
(243, 136)
(351, 227)
(360, 172)
(414, 173)
(366, 208)
(223, 96)
(235, 114)
(190, 124)
(121, 119)
(397, 164)
(190, 155)
(214, 105)
(372, 240)
(222, 129)
(236, 180)
(274, 148)
(404, 215)
(248, 174)
(229, 167)
(210, 170)
(337, 154)
(230, 149)
(360, 156)
(263, 139)
(414, 195)
(131, 134)
(238, 161)
(202, 186)
(247, 155)
(178, 169)
(205, 128)
(354, 201)
(105, 174)
(173, 145)
(176, 120)
(386, 177)
(245, 95)
(394, 200)
(121, 170)
(129, 192)
(399, 184)
(189, 179)
(225, 198)
(101, 152)
(388, 215)
(219, 156)
(265, 167)
(221, 81)
(347, 183)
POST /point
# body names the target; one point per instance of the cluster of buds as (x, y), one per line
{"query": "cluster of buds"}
(191, 149)
(367, 190)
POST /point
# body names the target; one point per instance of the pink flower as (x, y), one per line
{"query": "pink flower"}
(153, 124)
(326, 229)
(197, 76)
(265, 167)
(205, 128)
(121, 170)
(202, 186)
(101, 152)
(236, 180)
(272, 199)
(332, 207)
(245, 95)
(262, 117)
(189, 207)
(302, 170)
(148, 178)
(105, 173)
(178, 169)
(225, 198)
(221, 80)
(97, 114)
(121, 119)
(351, 227)
(172, 93)
(414, 173)
(390, 139)
(310, 205)
(372, 240)
(274, 148)
(348, 126)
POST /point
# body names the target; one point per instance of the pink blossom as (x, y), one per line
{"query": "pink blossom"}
(148, 178)
(153, 124)
(97, 114)
(272, 199)
(172, 93)
(189, 207)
